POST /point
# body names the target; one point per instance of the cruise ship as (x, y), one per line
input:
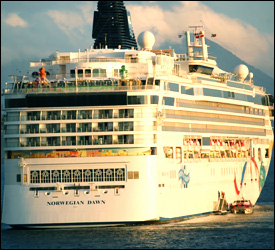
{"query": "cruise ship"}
(116, 136)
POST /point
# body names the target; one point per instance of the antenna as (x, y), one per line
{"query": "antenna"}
(195, 27)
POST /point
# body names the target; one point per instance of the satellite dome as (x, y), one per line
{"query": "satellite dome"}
(146, 40)
(241, 71)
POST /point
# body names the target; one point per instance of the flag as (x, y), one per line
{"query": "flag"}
(213, 35)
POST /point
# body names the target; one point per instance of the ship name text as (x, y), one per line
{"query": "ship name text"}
(66, 203)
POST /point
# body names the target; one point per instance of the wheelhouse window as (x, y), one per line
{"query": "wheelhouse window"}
(200, 69)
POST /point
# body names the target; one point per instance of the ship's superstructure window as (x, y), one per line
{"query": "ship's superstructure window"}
(260, 99)
(72, 73)
(88, 175)
(13, 116)
(88, 73)
(45, 176)
(33, 115)
(56, 176)
(187, 90)
(35, 177)
(125, 139)
(98, 175)
(168, 152)
(126, 113)
(169, 101)
(80, 72)
(32, 128)
(200, 69)
(53, 128)
(99, 73)
(109, 175)
(142, 100)
(239, 85)
(173, 87)
(66, 176)
(212, 92)
(125, 126)
(70, 127)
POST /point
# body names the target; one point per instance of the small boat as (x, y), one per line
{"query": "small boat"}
(241, 206)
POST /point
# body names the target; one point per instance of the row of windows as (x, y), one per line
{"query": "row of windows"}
(91, 73)
(70, 114)
(77, 175)
(73, 127)
(258, 99)
(143, 99)
(179, 114)
(208, 128)
(73, 141)
(219, 106)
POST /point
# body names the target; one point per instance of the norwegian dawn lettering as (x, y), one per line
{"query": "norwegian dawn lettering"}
(66, 203)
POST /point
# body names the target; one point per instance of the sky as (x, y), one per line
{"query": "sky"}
(31, 30)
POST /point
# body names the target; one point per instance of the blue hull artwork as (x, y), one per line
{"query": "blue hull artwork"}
(184, 177)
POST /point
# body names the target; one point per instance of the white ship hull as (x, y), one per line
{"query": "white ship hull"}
(123, 136)
(160, 193)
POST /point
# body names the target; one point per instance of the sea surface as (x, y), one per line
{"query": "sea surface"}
(254, 231)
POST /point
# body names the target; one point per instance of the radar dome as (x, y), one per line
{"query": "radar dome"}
(146, 40)
(241, 71)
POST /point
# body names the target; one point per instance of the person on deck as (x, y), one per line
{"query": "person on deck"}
(42, 74)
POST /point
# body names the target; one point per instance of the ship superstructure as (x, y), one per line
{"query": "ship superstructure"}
(117, 136)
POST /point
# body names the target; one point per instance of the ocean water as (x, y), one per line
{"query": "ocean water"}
(254, 231)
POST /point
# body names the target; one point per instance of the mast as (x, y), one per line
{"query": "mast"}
(197, 49)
